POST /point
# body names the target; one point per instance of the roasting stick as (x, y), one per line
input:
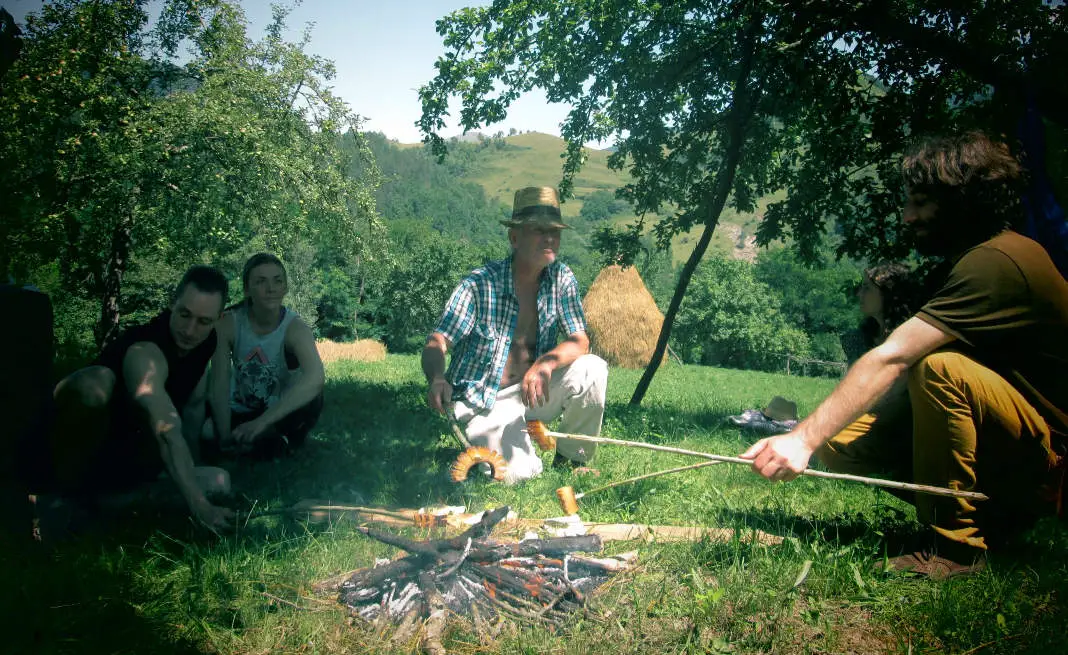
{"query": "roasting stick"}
(546, 440)
(457, 431)
(569, 499)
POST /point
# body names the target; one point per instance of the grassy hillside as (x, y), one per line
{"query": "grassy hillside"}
(535, 158)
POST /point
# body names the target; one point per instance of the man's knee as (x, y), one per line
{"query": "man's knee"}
(588, 377)
(937, 368)
(91, 386)
(213, 481)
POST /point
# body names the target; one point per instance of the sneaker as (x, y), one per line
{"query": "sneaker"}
(578, 468)
(747, 417)
(935, 567)
(767, 426)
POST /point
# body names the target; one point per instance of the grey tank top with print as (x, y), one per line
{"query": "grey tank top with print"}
(259, 363)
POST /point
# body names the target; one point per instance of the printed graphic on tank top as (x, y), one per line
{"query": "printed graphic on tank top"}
(259, 366)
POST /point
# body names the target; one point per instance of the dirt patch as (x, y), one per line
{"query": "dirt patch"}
(833, 627)
(744, 245)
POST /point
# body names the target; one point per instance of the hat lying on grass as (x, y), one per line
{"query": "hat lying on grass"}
(781, 409)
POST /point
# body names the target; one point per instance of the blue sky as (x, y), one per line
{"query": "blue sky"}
(384, 51)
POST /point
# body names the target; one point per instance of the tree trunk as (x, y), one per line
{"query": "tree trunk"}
(740, 112)
(118, 261)
(363, 277)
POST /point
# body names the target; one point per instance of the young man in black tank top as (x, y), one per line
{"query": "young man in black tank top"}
(133, 413)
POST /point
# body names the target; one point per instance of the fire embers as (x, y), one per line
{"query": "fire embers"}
(535, 589)
(538, 581)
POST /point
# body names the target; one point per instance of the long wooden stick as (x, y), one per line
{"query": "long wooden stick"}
(646, 476)
(457, 431)
(875, 482)
(408, 515)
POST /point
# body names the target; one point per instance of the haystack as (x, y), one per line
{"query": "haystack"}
(364, 350)
(622, 318)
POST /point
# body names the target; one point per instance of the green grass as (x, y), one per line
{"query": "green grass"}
(536, 159)
(154, 584)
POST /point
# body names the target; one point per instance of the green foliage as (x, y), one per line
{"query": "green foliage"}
(819, 299)
(419, 284)
(816, 298)
(601, 205)
(125, 151)
(659, 78)
(732, 319)
(415, 187)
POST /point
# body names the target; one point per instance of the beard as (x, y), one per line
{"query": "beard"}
(940, 238)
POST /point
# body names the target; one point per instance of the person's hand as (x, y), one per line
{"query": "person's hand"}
(215, 518)
(439, 395)
(780, 458)
(535, 385)
(247, 433)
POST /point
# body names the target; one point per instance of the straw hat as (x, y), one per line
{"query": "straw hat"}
(781, 409)
(536, 205)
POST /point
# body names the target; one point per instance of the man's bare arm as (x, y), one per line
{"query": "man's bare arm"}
(873, 375)
(535, 384)
(145, 371)
(433, 360)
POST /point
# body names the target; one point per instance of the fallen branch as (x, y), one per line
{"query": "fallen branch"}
(278, 599)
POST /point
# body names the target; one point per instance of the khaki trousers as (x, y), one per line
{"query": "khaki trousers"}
(576, 396)
(972, 431)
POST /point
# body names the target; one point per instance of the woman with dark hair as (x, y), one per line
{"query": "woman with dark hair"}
(888, 296)
(267, 376)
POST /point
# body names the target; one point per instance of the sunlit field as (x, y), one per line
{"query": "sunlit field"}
(149, 582)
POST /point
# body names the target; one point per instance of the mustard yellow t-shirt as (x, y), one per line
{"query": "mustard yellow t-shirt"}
(1008, 306)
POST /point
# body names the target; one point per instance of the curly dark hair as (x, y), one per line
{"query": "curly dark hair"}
(972, 173)
(901, 295)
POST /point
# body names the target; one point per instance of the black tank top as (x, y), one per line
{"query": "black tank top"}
(183, 372)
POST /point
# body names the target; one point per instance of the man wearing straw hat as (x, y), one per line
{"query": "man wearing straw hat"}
(502, 325)
(984, 359)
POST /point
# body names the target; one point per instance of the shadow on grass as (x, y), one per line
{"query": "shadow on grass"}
(890, 526)
(78, 598)
(380, 444)
(375, 443)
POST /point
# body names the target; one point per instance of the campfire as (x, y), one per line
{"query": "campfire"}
(535, 581)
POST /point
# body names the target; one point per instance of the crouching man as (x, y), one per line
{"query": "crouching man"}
(984, 360)
(507, 367)
(133, 413)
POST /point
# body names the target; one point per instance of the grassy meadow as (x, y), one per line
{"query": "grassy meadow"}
(152, 583)
(536, 158)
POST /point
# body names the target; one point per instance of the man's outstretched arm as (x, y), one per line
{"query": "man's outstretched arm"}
(784, 457)
(145, 371)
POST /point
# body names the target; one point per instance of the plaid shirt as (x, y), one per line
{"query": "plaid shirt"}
(480, 318)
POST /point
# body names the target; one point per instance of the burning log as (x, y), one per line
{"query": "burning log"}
(537, 581)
